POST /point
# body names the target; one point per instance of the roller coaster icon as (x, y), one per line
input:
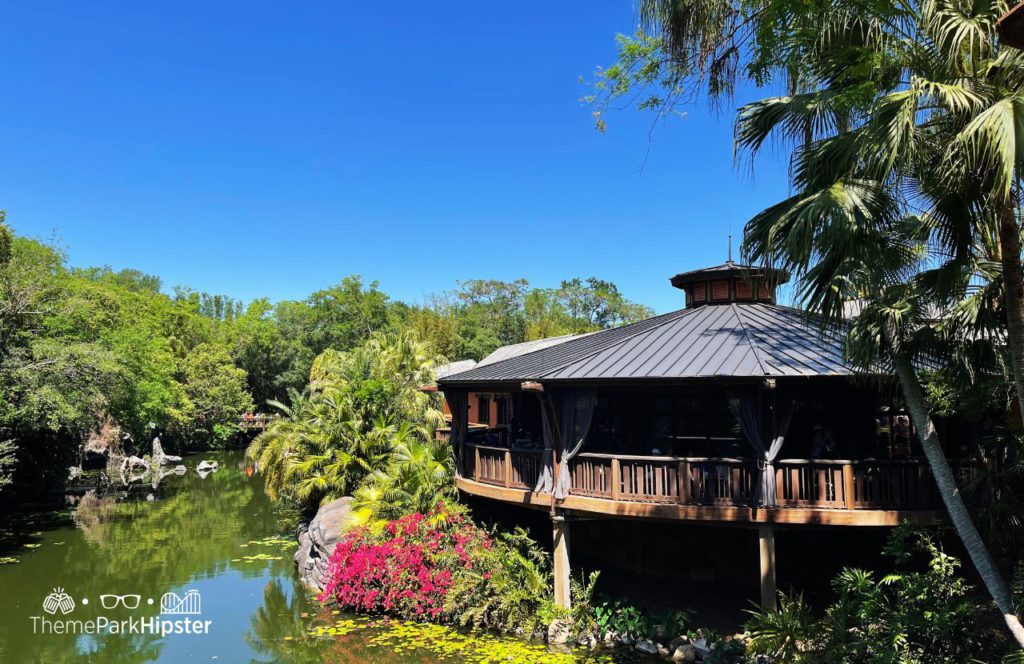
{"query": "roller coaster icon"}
(183, 605)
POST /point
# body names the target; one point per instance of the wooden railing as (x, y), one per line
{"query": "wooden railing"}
(849, 485)
(514, 469)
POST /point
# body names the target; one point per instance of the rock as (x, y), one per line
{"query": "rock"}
(684, 653)
(626, 640)
(317, 540)
(663, 651)
(159, 458)
(678, 641)
(646, 646)
(207, 465)
(610, 637)
(150, 497)
(74, 472)
(702, 648)
(559, 631)
(588, 641)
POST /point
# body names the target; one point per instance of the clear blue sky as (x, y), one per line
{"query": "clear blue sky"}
(270, 148)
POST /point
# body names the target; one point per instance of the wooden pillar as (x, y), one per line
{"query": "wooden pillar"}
(561, 562)
(766, 542)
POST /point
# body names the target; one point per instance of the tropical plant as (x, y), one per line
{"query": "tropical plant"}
(920, 612)
(360, 414)
(440, 566)
(419, 474)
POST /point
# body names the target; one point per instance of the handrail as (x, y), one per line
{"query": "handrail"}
(816, 483)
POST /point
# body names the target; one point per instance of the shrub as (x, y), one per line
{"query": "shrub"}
(442, 567)
(922, 614)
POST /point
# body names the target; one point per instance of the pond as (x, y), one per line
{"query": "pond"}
(111, 579)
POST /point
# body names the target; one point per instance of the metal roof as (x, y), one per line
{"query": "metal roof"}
(735, 340)
(515, 350)
(450, 368)
(728, 268)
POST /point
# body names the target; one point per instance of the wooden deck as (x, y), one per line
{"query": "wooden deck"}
(850, 493)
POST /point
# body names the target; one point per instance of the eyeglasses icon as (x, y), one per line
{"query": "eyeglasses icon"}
(127, 601)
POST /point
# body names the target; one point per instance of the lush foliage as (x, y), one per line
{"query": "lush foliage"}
(360, 411)
(81, 348)
(921, 612)
(442, 567)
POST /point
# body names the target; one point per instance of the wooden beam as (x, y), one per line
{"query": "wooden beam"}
(766, 547)
(531, 386)
(560, 566)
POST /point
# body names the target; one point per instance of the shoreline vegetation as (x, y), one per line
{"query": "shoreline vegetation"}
(356, 427)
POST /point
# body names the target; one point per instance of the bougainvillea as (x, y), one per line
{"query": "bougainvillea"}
(408, 568)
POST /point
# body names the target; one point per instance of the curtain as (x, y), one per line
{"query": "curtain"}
(744, 409)
(577, 408)
(458, 404)
(546, 480)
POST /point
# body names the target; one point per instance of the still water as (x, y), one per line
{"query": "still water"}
(114, 557)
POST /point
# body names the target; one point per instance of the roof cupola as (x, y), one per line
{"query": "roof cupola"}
(729, 282)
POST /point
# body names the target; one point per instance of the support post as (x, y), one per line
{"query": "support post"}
(561, 562)
(766, 542)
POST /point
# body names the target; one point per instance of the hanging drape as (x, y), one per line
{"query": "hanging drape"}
(458, 404)
(577, 412)
(545, 479)
(744, 409)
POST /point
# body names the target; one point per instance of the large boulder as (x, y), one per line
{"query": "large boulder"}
(317, 540)
(159, 457)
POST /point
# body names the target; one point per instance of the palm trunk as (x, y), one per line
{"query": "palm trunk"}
(1013, 295)
(958, 514)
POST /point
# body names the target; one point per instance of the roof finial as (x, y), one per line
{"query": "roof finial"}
(730, 248)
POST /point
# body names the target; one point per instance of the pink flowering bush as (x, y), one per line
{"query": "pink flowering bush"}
(438, 566)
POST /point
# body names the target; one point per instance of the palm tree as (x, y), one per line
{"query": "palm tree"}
(905, 164)
(420, 474)
(358, 408)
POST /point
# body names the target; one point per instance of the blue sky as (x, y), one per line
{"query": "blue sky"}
(263, 148)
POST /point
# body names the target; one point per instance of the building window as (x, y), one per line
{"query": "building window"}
(483, 410)
(720, 290)
(700, 292)
(744, 290)
(502, 411)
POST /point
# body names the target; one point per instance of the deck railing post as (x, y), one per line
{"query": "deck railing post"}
(616, 478)
(923, 484)
(476, 463)
(508, 468)
(848, 497)
(684, 483)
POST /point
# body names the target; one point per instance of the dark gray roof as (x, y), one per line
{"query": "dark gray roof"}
(515, 350)
(733, 340)
(726, 269)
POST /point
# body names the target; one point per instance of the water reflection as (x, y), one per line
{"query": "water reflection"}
(190, 529)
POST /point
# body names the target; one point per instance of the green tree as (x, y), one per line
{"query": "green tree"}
(215, 396)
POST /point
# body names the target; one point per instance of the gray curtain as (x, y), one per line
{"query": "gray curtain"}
(577, 412)
(546, 478)
(458, 404)
(744, 409)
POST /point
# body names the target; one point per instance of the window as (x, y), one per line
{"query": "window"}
(483, 410)
(744, 289)
(720, 290)
(700, 292)
(502, 411)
